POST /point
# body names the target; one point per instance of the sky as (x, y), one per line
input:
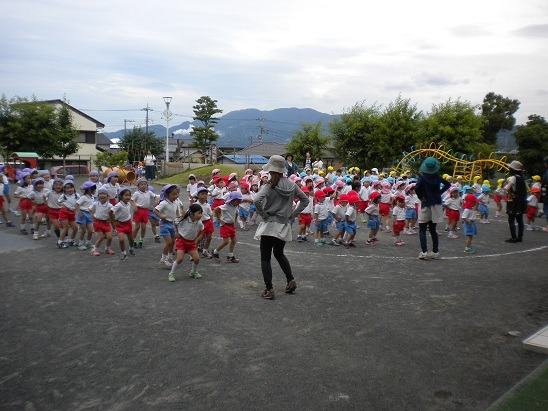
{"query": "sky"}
(112, 58)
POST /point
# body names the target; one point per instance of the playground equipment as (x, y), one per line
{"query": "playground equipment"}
(125, 174)
(464, 165)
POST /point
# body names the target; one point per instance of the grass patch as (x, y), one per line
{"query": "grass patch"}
(532, 396)
(202, 173)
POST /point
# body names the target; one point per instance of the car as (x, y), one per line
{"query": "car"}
(73, 169)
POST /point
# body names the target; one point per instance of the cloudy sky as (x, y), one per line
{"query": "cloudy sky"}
(327, 55)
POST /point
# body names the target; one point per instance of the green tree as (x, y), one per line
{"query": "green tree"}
(358, 139)
(204, 135)
(532, 141)
(108, 159)
(308, 139)
(497, 114)
(65, 143)
(137, 142)
(454, 124)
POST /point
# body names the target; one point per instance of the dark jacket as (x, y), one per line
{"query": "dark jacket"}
(291, 169)
(428, 189)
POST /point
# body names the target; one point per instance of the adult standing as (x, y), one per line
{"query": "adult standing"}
(430, 213)
(544, 192)
(290, 166)
(150, 166)
(273, 203)
(317, 164)
(308, 162)
(516, 205)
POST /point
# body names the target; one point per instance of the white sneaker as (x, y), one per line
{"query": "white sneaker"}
(168, 263)
(46, 234)
(82, 247)
(433, 256)
(35, 236)
(424, 256)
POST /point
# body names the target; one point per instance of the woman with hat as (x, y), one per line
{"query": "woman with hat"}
(516, 205)
(430, 212)
(273, 203)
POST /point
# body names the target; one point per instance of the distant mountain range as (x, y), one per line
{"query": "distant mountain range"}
(238, 128)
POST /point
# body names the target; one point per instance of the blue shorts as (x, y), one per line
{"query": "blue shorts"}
(340, 225)
(85, 219)
(373, 222)
(243, 213)
(322, 226)
(350, 227)
(167, 229)
(252, 208)
(152, 214)
(6, 189)
(410, 213)
(469, 229)
(329, 218)
(483, 210)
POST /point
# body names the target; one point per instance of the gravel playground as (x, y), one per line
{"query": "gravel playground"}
(372, 327)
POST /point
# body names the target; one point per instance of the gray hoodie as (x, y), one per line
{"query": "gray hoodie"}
(274, 204)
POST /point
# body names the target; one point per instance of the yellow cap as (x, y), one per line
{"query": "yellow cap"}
(321, 172)
(445, 176)
(381, 175)
(536, 178)
(487, 182)
(476, 178)
(329, 168)
(365, 172)
(458, 177)
(357, 168)
(500, 180)
(393, 172)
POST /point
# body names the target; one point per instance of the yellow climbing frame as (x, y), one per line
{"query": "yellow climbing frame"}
(464, 165)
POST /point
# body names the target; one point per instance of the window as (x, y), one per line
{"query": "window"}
(90, 137)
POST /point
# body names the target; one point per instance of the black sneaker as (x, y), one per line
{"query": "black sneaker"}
(291, 286)
(215, 256)
(268, 294)
(157, 239)
(232, 259)
(512, 240)
(24, 232)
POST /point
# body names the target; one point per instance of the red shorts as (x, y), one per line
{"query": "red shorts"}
(452, 215)
(384, 209)
(227, 230)
(42, 208)
(305, 219)
(362, 205)
(140, 215)
(208, 226)
(112, 201)
(24, 204)
(216, 203)
(101, 226)
(123, 227)
(497, 198)
(65, 214)
(531, 212)
(398, 225)
(185, 245)
(1, 200)
(54, 213)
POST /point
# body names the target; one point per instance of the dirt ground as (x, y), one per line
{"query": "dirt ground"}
(369, 328)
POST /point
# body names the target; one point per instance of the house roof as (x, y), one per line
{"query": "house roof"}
(243, 159)
(263, 148)
(58, 101)
(27, 154)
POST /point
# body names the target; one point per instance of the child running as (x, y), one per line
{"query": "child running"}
(67, 216)
(339, 212)
(320, 218)
(54, 207)
(350, 217)
(207, 221)
(121, 214)
(398, 219)
(469, 217)
(100, 214)
(226, 215)
(25, 205)
(305, 217)
(453, 205)
(483, 203)
(83, 216)
(372, 213)
(143, 199)
(167, 211)
(38, 199)
(532, 208)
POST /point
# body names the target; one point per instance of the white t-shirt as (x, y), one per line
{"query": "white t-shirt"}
(372, 209)
(399, 213)
(364, 193)
(207, 213)
(469, 214)
(100, 210)
(85, 202)
(453, 203)
(244, 204)
(69, 201)
(52, 196)
(143, 199)
(39, 197)
(169, 209)
(112, 190)
(149, 160)
(189, 229)
(532, 201)
(351, 213)
(228, 212)
(321, 210)
(122, 211)
(339, 211)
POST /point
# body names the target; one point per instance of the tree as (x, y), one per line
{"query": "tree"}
(108, 159)
(454, 124)
(532, 141)
(497, 114)
(205, 135)
(308, 139)
(66, 143)
(137, 142)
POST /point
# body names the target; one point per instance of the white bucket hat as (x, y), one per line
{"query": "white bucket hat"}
(515, 165)
(275, 163)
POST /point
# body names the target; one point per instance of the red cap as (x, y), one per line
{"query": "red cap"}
(470, 201)
(319, 193)
(343, 197)
(400, 197)
(244, 185)
(328, 190)
(373, 195)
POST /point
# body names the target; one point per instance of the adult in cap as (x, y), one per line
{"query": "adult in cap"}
(430, 212)
(273, 203)
(516, 205)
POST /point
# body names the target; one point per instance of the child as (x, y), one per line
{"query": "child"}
(121, 214)
(254, 190)
(384, 205)
(94, 178)
(329, 204)
(364, 192)
(6, 189)
(476, 187)
(113, 187)
(38, 199)
(350, 217)
(339, 212)
(100, 214)
(54, 207)
(152, 217)
(66, 215)
(187, 230)
(532, 208)
(207, 222)
(46, 176)
(226, 215)
(468, 217)
(498, 196)
(83, 216)
(2, 210)
(372, 213)
(320, 218)
(398, 219)
(411, 200)
(191, 187)
(142, 200)
(245, 205)
(305, 217)
(217, 193)
(483, 203)
(25, 206)
(167, 211)
(453, 205)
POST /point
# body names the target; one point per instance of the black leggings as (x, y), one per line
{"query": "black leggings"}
(512, 220)
(422, 236)
(269, 244)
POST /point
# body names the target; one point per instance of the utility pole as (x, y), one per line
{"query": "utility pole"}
(125, 123)
(261, 128)
(147, 109)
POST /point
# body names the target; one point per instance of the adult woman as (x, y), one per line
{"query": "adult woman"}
(308, 162)
(430, 213)
(290, 166)
(318, 164)
(149, 161)
(273, 204)
(516, 205)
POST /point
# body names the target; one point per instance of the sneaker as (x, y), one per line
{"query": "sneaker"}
(215, 256)
(206, 254)
(135, 244)
(470, 250)
(10, 224)
(290, 286)
(305, 238)
(109, 251)
(82, 247)
(45, 235)
(318, 243)
(424, 256)
(334, 242)
(140, 245)
(512, 240)
(452, 236)
(299, 239)
(95, 253)
(375, 239)
(35, 236)
(64, 245)
(545, 229)
(370, 242)
(529, 228)
(123, 256)
(24, 232)
(157, 239)
(195, 274)
(352, 245)
(171, 277)
(268, 294)
(446, 229)
(168, 263)
(433, 256)
(232, 259)
(72, 243)
(132, 251)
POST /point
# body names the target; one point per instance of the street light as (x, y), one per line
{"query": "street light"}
(167, 115)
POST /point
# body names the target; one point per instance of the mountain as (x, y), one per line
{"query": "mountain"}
(238, 128)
